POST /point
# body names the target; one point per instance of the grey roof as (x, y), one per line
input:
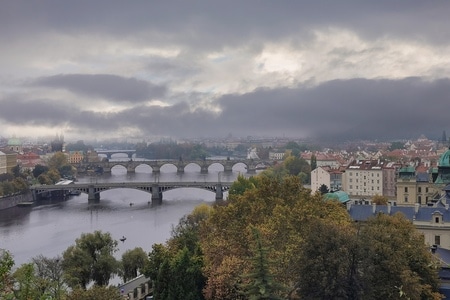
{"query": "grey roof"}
(422, 177)
(363, 212)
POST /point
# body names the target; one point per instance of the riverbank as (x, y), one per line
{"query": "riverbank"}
(14, 200)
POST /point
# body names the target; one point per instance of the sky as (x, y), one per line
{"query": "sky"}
(341, 70)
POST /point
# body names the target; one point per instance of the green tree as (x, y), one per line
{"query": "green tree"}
(396, 260)
(313, 162)
(27, 284)
(90, 259)
(39, 169)
(397, 145)
(133, 261)
(323, 189)
(54, 175)
(328, 266)
(241, 184)
(259, 284)
(6, 264)
(50, 273)
(44, 179)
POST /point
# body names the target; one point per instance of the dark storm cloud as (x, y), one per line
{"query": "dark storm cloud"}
(103, 85)
(339, 109)
(206, 23)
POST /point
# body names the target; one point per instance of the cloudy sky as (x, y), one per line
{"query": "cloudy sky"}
(145, 69)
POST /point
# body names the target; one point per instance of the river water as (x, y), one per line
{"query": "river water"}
(49, 228)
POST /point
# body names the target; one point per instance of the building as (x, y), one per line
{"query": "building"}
(15, 145)
(2, 163)
(328, 176)
(363, 178)
(9, 158)
(29, 160)
(423, 186)
(75, 157)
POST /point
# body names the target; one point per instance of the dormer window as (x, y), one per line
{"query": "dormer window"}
(437, 217)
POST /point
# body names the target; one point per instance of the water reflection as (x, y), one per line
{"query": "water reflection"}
(51, 227)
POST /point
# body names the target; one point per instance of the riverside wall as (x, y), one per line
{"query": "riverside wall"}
(11, 201)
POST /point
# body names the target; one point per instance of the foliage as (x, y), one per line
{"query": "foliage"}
(96, 293)
(281, 209)
(396, 260)
(90, 259)
(379, 200)
(6, 264)
(241, 184)
(295, 165)
(177, 268)
(397, 145)
(323, 189)
(50, 273)
(259, 284)
(133, 261)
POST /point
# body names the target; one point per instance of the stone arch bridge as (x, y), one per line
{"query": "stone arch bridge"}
(131, 165)
(156, 189)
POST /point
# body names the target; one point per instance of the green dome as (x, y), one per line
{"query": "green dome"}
(14, 142)
(444, 161)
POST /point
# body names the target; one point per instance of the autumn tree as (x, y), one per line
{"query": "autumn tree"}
(90, 259)
(95, 293)
(281, 209)
(379, 200)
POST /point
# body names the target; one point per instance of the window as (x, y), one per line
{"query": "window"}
(437, 219)
(351, 186)
(372, 188)
(406, 199)
(419, 199)
(364, 177)
(351, 173)
(426, 190)
(419, 189)
(372, 180)
(437, 239)
(351, 180)
(356, 187)
(378, 181)
(406, 189)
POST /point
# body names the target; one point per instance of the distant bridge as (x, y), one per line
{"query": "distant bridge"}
(106, 166)
(93, 190)
(109, 153)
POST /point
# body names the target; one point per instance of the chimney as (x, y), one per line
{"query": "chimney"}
(374, 208)
(416, 208)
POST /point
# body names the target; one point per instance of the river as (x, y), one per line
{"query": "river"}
(49, 228)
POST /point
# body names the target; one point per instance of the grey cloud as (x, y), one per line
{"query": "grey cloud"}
(111, 87)
(216, 24)
(339, 109)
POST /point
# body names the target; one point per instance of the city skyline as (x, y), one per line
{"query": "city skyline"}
(331, 70)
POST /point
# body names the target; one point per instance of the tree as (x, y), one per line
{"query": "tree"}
(328, 263)
(58, 160)
(6, 264)
(39, 169)
(90, 259)
(259, 284)
(396, 145)
(133, 261)
(313, 162)
(241, 184)
(95, 293)
(379, 200)
(396, 260)
(323, 189)
(53, 175)
(50, 273)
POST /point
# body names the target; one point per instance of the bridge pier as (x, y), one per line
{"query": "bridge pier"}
(93, 197)
(180, 169)
(204, 169)
(155, 169)
(219, 192)
(157, 195)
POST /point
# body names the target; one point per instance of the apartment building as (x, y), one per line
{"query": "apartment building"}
(328, 176)
(363, 178)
